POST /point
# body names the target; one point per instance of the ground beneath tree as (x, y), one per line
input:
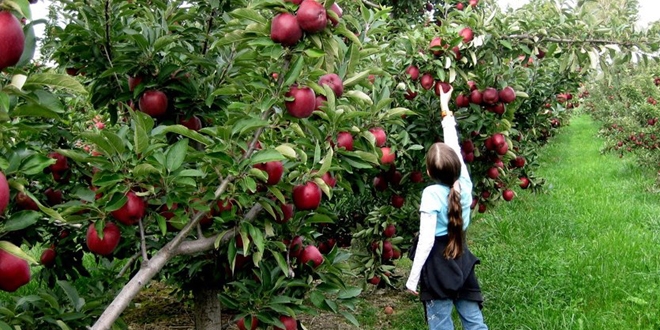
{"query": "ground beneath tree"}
(157, 308)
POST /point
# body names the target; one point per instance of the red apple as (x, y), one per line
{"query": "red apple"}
(311, 253)
(482, 208)
(289, 322)
(493, 173)
(329, 180)
(389, 231)
(54, 197)
(304, 101)
(380, 183)
(24, 202)
(12, 40)
(437, 42)
(441, 85)
(285, 29)
(388, 156)
(524, 182)
(334, 82)
(312, 16)
(498, 139)
(472, 85)
(345, 140)
(413, 72)
(132, 211)
(193, 123)
(4, 193)
(410, 95)
(134, 82)
(476, 97)
(507, 195)
(335, 8)
(153, 103)
(274, 171)
(460, 6)
(467, 34)
(416, 177)
(320, 99)
(507, 95)
(14, 271)
(61, 163)
(398, 201)
(48, 257)
(374, 280)
(519, 161)
(379, 134)
(287, 214)
(106, 245)
(490, 96)
(307, 196)
(497, 108)
(462, 101)
(502, 149)
(427, 81)
(296, 247)
(457, 52)
(253, 321)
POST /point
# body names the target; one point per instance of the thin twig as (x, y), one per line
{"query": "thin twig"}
(208, 32)
(371, 4)
(143, 243)
(128, 264)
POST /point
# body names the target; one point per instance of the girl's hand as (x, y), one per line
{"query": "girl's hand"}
(444, 101)
(412, 292)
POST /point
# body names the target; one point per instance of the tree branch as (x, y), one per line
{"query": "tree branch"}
(143, 243)
(571, 41)
(371, 4)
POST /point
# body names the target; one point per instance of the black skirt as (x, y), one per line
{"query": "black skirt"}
(443, 278)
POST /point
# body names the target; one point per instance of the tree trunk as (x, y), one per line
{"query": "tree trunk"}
(208, 311)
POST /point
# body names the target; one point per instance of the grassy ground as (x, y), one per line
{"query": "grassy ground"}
(582, 255)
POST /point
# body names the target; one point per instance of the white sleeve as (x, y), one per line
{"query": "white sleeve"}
(451, 139)
(427, 222)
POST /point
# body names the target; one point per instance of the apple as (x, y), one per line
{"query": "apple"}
(254, 323)
(287, 214)
(457, 52)
(498, 163)
(274, 171)
(307, 196)
(482, 208)
(106, 245)
(472, 85)
(388, 156)
(467, 34)
(502, 149)
(335, 8)
(460, 6)
(99, 125)
(334, 82)
(493, 173)
(14, 272)
(54, 197)
(345, 140)
(289, 322)
(374, 280)
(519, 161)
(311, 253)
(12, 40)
(497, 108)
(398, 201)
(296, 246)
(474, 202)
(312, 16)
(490, 96)
(507, 95)
(4, 193)
(132, 211)
(498, 139)
(524, 182)
(389, 231)
(320, 99)
(437, 42)
(473, 3)
(413, 72)
(462, 101)
(379, 134)
(193, 123)
(48, 257)
(24, 202)
(372, 79)
(427, 81)
(329, 180)
(476, 97)
(304, 101)
(380, 183)
(410, 95)
(153, 103)
(61, 163)
(389, 310)
(395, 178)
(416, 177)
(134, 82)
(285, 29)
(441, 85)
(507, 195)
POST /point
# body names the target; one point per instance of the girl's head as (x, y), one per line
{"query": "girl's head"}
(444, 167)
(443, 164)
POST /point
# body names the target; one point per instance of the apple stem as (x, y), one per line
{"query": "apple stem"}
(143, 243)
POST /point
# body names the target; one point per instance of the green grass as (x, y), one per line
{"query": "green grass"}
(581, 255)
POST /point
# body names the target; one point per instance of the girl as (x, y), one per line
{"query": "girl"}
(442, 258)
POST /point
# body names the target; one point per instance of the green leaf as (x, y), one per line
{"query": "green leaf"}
(21, 6)
(21, 220)
(35, 164)
(182, 130)
(62, 325)
(319, 218)
(267, 155)
(326, 162)
(281, 262)
(350, 318)
(176, 155)
(72, 294)
(142, 125)
(294, 72)
(54, 80)
(5, 326)
(102, 144)
(248, 124)
(506, 44)
(248, 14)
(144, 170)
(15, 250)
(318, 299)
(356, 78)
(348, 293)
(115, 141)
(34, 110)
(287, 151)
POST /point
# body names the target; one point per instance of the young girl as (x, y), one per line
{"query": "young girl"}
(442, 258)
